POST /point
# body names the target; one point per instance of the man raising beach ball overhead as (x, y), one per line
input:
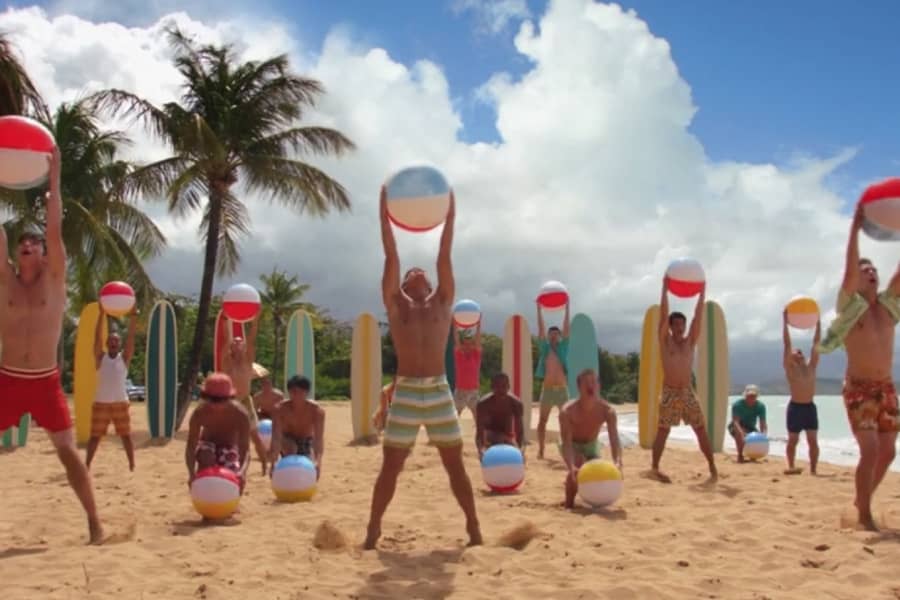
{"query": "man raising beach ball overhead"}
(419, 318)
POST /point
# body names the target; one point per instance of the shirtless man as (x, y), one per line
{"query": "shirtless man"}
(111, 401)
(237, 363)
(298, 426)
(419, 319)
(802, 414)
(467, 357)
(678, 402)
(218, 431)
(267, 399)
(552, 367)
(498, 417)
(33, 298)
(579, 425)
(869, 394)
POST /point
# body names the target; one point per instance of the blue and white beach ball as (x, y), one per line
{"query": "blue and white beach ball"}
(265, 432)
(503, 468)
(756, 445)
(466, 313)
(294, 479)
(418, 198)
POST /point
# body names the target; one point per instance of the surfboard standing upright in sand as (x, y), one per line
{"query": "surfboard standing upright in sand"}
(583, 351)
(161, 370)
(17, 435)
(712, 373)
(650, 377)
(299, 350)
(365, 375)
(86, 369)
(517, 364)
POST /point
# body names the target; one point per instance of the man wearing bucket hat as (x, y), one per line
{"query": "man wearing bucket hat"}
(744, 415)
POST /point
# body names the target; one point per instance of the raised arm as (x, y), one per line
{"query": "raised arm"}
(251, 338)
(814, 353)
(786, 339)
(56, 252)
(698, 316)
(612, 426)
(478, 335)
(390, 279)
(542, 331)
(446, 286)
(850, 283)
(894, 285)
(129, 342)
(664, 313)
(319, 442)
(98, 338)
(565, 331)
(6, 270)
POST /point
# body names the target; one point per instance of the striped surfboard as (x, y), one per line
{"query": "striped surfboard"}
(161, 370)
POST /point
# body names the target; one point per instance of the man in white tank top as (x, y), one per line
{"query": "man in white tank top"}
(111, 400)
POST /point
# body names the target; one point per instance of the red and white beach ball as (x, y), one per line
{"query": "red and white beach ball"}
(553, 294)
(466, 313)
(25, 145)
(802, 312)
(241, 303)
(881, 209)
(117, 298)
(686, 278)
(216, 492)
(418, 198)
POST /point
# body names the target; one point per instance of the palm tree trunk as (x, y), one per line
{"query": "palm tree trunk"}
(206, 285)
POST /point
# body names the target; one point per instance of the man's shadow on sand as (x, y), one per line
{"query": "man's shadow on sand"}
(412, 576)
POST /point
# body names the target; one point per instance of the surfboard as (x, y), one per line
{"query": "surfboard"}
(712, 373)
(161, 370)
(365, 374)
(650, 377)
(517, 364)
(86, 370)
(583, 352)
(221, 323)
(17, 435)
(299, 352)
(450, 361)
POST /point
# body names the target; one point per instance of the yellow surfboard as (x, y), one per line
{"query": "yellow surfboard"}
(365, 375)
(712, 373)
(650, 378)
(86, 370)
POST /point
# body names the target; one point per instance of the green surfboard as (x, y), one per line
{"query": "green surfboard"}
(583, 353)
(300, 352)
(161, 370)
(17, 436)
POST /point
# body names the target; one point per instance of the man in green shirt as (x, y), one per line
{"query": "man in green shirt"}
(744, 413)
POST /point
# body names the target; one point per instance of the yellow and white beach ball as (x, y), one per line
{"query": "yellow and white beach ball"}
(216, 492)
(802, 312)
(599, 482)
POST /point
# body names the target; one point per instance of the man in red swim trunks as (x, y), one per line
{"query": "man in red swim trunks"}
(33, 297)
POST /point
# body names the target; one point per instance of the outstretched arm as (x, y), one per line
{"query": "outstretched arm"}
(6, 270)
(786, 339)
(129, 341)
(478, 335)
(56, 252)
(664, 313)
(446, 287)
(542, 331)
(565, 331)
(390, 279)
(894, 285)
(98, 337)
(698, 316)
(851, 268)
(814, 353)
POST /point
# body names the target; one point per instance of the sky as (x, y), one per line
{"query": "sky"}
(587, 142)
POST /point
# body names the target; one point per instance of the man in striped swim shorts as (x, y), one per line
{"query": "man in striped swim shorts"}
(419, 318)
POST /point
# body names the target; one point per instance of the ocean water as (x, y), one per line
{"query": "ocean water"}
(836, 444)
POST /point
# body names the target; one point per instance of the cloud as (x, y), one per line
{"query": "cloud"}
(596, 180)
(493, 16)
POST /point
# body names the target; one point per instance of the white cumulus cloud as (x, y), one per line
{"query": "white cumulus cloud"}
(493, 16)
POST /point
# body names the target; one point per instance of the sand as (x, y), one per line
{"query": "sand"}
(756, 534)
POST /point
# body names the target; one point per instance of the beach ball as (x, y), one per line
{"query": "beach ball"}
(466, 313)
(503, 468)
(25, 145)
(216, 492)
(756, 445)
(241, 303)
(265, 432)
(802, 312)
(881, 210)
(117, 298)
(553, 294)
(686, 278)
(294, 479)
(599, 482)
(418, 198)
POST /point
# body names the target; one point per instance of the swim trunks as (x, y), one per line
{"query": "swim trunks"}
(871, 405)
(499, 437)
(465, 399)
(305, 445)
(802, 417)
(677, 405)
(554, 395)
(102, 413)
(36, 392)
(589, 450)
(422, 401)
(247, 402)
(226, 456)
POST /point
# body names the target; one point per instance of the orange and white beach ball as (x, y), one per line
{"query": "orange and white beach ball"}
(802, 312)
(418, 198)
(685, 277)
(241, 303)
(117, 298)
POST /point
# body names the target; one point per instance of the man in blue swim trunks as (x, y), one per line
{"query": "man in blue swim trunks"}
(553, 369)
(802, 414)
(744, 414)
(419, 318)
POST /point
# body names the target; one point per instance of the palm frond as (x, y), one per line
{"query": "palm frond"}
(121, 103)
(315, 140)
(294, 184)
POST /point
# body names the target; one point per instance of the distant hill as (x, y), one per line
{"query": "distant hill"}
(824, 386)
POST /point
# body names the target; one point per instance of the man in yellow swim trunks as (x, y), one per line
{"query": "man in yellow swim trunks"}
(419, 319)
(679, 402)
(237, 363)
(553, 368)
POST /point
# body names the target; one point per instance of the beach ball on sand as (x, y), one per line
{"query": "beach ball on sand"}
(553, 294)
(116, 298)
(466, 313)
(685, 277)
(265, 432)
(802, 312)
(756, 446)
(599, 482)
(25, 145)
(241, 303)
(881, 210)
(294, 479)
(216, 492)
(418, 198)
(503, 468)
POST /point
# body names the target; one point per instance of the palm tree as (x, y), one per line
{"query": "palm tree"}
(281, 297)
(18, 95)
(235, 121)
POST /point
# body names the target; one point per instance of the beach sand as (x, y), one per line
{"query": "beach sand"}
(756, 534)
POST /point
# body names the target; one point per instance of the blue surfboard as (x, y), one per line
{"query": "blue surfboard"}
(583, 352)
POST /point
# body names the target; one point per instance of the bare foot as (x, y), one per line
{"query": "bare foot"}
(867, 522)
(793, 471)
(741, 458)
(713, 474)
(371, 538)
(95, 530)
(474, 535)
(660, 476)
(131, 466)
